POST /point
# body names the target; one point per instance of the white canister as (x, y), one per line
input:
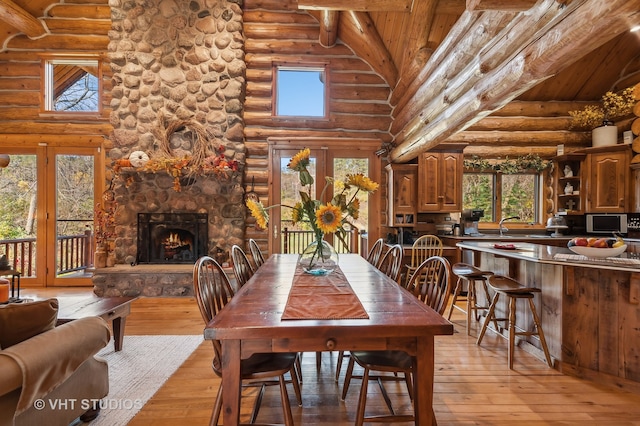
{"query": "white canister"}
(604, 136)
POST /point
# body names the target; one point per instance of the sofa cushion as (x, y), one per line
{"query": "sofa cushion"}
(21, 321)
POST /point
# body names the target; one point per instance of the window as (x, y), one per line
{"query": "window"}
(72, 85)
(300, 92)
(502, 195)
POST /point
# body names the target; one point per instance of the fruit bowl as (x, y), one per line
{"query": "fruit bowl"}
(598, 252)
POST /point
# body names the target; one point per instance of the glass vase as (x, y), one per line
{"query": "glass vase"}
(319, 258)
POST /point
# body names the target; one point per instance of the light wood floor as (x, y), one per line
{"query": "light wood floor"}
(473, 385)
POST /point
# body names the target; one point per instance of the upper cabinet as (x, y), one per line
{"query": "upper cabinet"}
(608, 177)
(569, 180)
(403, 182)
(440, 181)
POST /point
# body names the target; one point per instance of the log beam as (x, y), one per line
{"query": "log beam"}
(329, 27)
(20, 19)
(358, 5)
(560, 37)
(513, 5)
(486, 151)
(358, 31)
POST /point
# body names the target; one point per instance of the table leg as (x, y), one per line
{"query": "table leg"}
(118, 332)
(231, 382)
(423, 371)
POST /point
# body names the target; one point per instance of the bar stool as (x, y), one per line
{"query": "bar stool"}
(514, 291)
(470, 274)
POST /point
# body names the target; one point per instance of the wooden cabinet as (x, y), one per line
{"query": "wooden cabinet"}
(608, 179)
(402, 182)
(440, 182)
(568, 176)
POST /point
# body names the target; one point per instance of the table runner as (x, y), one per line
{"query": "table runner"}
(322, 297)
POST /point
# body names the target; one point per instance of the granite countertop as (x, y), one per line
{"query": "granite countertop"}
(554, 255)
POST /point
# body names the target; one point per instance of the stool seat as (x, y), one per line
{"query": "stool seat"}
(514, 290)
(471, 274)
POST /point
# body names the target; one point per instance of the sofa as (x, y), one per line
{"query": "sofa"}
(50, 375)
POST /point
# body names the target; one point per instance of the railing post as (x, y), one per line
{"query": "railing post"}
(285, 237)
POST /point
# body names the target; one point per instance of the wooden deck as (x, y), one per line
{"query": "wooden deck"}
(473, 385)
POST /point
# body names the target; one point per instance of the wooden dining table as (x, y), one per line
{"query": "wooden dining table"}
(252, 322)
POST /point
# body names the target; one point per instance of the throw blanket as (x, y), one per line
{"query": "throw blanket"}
(322, 297)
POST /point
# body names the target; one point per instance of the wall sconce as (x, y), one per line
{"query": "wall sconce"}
(4, 160)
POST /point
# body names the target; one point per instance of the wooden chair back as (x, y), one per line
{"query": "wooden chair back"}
(242, 269)
(256, 253)
(425, 247)
(391, 262)
(376, 252)
(212, 291)
(431, 283)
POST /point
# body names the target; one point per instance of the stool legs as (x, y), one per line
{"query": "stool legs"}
(543, 341)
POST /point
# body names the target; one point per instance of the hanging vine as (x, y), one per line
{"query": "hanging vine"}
(525, 163)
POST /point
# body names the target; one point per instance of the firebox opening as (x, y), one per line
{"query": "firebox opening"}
(171, 237)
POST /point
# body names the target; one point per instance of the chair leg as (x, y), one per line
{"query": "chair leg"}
(512, 330)
(362, 400)
(339, 364)
(318, 360)
(347, 378)
(490, 317)
(296, 384)
(217, 408)
(286, 407)
(471, 303)
(456, 291)
(543, 341)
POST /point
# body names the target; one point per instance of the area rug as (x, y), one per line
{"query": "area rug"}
(138, 371)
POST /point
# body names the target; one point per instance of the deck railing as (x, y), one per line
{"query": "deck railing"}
(74, 252)
(296, 241)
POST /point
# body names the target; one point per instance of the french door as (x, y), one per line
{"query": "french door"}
(326, 160)
(46, 231)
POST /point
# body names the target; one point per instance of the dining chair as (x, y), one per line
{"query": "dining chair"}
(242, 269)
(256, 253)
(374, 255)
(390, 265)
(213, 291)
(430, 283)
(423, 248)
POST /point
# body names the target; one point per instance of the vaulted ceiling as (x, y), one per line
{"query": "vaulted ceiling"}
(450, 63)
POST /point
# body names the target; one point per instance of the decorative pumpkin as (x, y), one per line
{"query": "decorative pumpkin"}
(138, 158)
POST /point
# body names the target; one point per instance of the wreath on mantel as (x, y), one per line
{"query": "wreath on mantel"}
(522, 164)
(204, 160)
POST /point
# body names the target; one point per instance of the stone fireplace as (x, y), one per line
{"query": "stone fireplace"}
(177, 97)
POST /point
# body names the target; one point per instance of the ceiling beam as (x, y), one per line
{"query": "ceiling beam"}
(329, 27)
(357, 5)
(509, 66)
(512, 5)
(20, 19)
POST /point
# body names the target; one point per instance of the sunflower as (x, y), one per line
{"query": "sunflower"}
(353, 209)
(259, 213)
(296, 214)
(328, 218)
(362, 182)
(300, 161)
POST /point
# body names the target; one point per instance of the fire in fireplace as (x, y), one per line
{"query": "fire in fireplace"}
(171, 237)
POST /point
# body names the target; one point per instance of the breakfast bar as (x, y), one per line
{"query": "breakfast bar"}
(589, 307)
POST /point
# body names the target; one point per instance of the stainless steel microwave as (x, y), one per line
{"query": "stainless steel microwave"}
(606, 223)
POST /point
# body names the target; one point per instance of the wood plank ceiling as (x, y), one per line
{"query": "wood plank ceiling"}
(472, 71)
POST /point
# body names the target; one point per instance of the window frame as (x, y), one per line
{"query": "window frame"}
(46, 83)
(321, 67)
(496, 177)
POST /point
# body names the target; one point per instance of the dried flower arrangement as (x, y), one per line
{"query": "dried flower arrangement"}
(612, 107)
(508, 165)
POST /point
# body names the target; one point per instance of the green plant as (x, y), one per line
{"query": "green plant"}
(612, 106)
(521, 164)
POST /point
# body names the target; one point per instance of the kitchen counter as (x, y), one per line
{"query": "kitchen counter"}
(589, 308)
(544, 253)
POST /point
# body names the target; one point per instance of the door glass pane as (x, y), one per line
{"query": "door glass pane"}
(341, 168)
(74, 214)
(300, 235)
(18, 213)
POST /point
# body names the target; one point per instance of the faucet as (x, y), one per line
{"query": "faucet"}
(503, 228)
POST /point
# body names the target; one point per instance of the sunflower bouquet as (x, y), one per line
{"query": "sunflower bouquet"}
(336, 216)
